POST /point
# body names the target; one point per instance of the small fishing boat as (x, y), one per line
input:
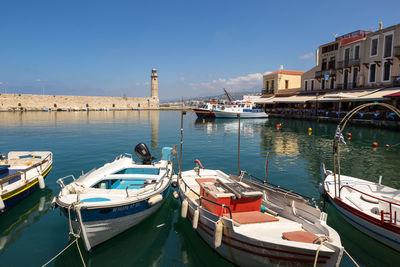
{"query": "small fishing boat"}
(205, 110)
(107, 201)
(246, 109)
(252, 224)
(371, 207)
(21, 173)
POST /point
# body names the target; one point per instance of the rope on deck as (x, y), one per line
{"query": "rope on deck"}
(71, 233)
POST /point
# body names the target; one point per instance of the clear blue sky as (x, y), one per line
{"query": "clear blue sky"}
(97, 47)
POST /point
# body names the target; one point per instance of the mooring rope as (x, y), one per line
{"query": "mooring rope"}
(322, 240)
(71, 232)
(351, 258)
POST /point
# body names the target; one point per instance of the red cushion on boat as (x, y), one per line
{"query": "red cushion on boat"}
(205, 180)
(300, 236)
(251, 217)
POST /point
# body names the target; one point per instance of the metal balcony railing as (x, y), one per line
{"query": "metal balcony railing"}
(355, 62)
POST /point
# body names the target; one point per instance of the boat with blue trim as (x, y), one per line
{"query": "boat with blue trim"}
(246, 109)
(109, 200)
(21, 173)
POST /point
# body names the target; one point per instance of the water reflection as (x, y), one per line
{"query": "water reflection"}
(17, 220)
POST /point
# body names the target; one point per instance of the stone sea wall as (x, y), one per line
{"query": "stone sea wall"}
(13, 102)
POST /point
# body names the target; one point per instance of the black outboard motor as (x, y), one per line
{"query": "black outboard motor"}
(143, 152)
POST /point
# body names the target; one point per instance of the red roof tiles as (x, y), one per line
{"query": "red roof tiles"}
(289, 72)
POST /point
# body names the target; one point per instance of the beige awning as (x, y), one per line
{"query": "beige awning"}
(267, 100)
(378, 94)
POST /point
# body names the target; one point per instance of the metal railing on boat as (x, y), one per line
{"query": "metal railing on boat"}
(382, 212)
(23, 172)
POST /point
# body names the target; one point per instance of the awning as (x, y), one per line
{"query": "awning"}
(393, 95)
(293, 99)
(267, 100)
(378, 94)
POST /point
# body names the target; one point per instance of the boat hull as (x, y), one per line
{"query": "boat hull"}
(14, 197)
(232, 115)
(382, 232)
(202, 113)
(99, 225)
(245, 251)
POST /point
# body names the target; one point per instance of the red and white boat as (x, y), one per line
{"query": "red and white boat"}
(205, 110)
(371, 207)
(252, 224)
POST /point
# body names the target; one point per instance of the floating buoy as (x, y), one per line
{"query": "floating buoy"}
(2, 206)
(204, 121)
(375, 144)
(175, 194)
(218, 233)
(277, 127)
(155, 199)
(195, 221)
(348, 134)
(41, 182)
(387, 145)
(184, 208)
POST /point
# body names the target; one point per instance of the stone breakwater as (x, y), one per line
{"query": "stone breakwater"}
(16, 102)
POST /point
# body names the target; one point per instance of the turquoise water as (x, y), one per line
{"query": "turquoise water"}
(32, 233)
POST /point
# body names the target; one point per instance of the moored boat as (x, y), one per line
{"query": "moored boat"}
(251, 224)
(245, 109)
(21, 173)
(109, 200)
(371, 207)
(205, 110)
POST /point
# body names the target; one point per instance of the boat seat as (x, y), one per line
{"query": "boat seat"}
(251, 217)
(300, 236)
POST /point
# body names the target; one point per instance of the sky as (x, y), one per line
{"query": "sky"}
(108, 48)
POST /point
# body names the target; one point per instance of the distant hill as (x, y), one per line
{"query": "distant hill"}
(235, 95)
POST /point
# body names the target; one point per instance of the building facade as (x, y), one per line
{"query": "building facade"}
(281, 80)
(357, 60)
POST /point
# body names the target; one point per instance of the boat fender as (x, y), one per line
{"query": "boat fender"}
(41, 182)
(218, 233)
(155, 199)
(184, 208)
(2, 206)
(175, 194)
(195, 221)
(174, 184)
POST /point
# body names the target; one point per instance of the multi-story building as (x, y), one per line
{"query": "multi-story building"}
(281, 80)
(357, 60)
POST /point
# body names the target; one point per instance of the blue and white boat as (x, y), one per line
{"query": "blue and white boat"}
(22, 173)
(107, 201)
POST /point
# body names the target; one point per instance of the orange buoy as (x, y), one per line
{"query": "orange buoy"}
(375, 144)
(277, 127)
(349, 134)
(387, 145)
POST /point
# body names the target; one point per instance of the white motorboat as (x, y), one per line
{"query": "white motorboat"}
(245, 109)
(21, 173)
(109, 200)
(252, 224)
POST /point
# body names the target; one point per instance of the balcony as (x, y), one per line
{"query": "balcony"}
(321, 73)
(355, 62)
(346, 63)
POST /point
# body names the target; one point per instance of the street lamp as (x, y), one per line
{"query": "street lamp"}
(42, 81)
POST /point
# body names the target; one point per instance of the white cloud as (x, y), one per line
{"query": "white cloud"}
(249, 81)
(137, 84)
(307, 56)
(182, 79)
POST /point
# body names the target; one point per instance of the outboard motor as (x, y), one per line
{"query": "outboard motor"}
(143, 152)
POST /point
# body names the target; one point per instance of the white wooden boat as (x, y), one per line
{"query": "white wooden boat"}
(21, 173)
(245, 109)
(205, 110)
(251, 224)
(371, 207)
(109, 200)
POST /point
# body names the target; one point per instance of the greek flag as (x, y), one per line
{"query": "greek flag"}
(339, 136)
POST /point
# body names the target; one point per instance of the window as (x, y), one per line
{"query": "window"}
(386, 71)
(322, 84)
(324, 64)
(332, 63)
(387, 48)
(267, 86)
(286, 84)
(374, 47)
(332, 84)
(312, 85)
(272, 85)
(372, 73)
(346, 56)
(305, 85)
(357, 52)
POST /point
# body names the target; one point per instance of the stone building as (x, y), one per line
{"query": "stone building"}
(281, 80)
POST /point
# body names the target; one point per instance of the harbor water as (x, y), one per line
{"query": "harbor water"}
(32, 233)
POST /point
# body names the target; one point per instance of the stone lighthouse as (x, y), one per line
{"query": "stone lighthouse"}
(154, 84)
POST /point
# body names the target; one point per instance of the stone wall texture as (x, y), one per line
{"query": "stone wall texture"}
(10, 102)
